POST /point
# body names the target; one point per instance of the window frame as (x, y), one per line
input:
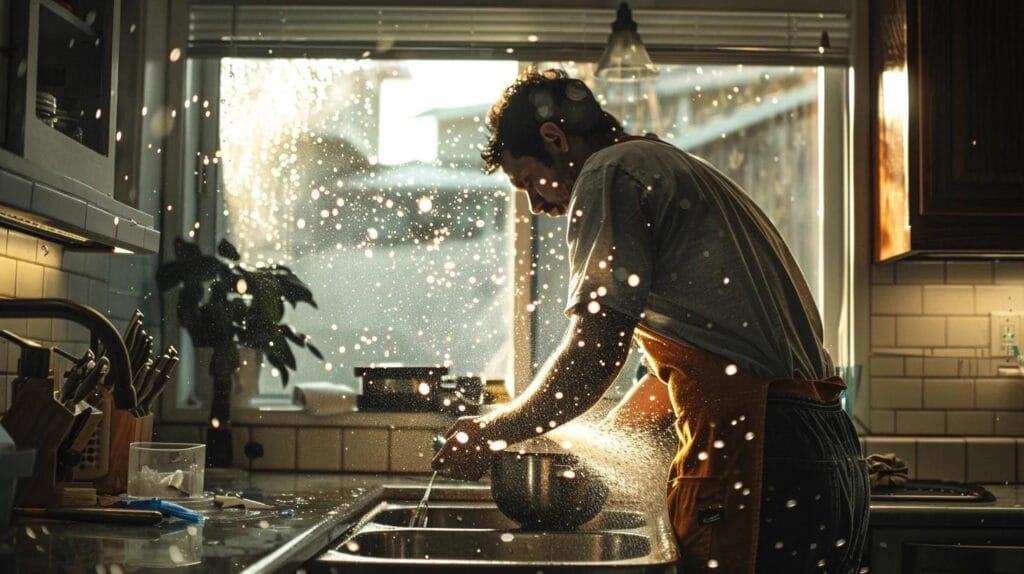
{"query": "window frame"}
(837, 170)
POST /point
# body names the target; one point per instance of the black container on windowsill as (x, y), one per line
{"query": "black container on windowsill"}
(399, 389)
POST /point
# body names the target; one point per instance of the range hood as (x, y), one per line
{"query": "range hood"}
(70, 213)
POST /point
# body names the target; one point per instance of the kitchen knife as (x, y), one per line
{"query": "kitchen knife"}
(75, 374)
(131, 333)
(140, 373)
(95, 377)
(146, 403)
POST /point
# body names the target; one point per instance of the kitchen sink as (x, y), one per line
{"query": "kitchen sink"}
(480, 517)
(464, 530)
(474, 545)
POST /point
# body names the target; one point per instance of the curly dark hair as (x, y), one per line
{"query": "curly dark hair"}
(536, 98)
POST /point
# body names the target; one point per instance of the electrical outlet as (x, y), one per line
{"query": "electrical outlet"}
(1006, 332)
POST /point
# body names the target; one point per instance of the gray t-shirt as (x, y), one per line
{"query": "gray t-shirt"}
(663, 237)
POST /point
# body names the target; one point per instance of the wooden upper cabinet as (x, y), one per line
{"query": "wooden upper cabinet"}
(948, 107)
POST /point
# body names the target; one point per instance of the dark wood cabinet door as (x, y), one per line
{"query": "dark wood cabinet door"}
(948, 108)
(970, 71)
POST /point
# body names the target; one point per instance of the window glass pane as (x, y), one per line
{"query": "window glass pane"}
(756, 124)
(364, 178)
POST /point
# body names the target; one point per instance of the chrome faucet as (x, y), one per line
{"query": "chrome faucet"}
(98, 325)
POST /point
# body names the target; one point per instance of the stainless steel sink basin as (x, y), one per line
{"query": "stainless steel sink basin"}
(466, 531)
(479, 517)
(518, 547)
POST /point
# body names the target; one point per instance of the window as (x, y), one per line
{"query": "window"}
(363, 176)
(363, 173)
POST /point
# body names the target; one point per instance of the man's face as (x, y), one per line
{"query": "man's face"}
(547, 186)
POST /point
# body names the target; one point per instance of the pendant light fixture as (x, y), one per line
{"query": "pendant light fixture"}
(625, 57)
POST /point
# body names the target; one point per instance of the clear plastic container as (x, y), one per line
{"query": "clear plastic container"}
(167, 470)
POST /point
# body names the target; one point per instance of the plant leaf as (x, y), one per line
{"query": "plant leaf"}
(279, 365)
(227, 250)
(316, 352)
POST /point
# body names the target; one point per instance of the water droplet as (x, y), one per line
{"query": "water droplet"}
(507, 537)
(749, 436)
(702, 455)
(633, 280)
(737, 486)
(731, 370)
(594, 307)
(461, 437)
(840, 543)
(301, 223)
(791, 503)
(570, 473)
(352, 546)
(175, 55)
(497, 445)
(718, 444)
(712, 563)
(779, 545)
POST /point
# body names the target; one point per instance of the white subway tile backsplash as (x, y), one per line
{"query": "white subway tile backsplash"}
(948, 300)
(886, 366)
(942, 459)
(29, 281)
(1000, 394)
(913, 366)
(921, 272)
(883, 273)
(1009, 423)
(896, 300)
(948, 394)
(3, 241)
(21, 247)
(883, 421)
(1009, 272)
(991, 460)
(967, 423)
(8, 277)
(920, 331)
(921, 422)
(944, 367)
(883, 331)
(55, 283)
(967, 331)
(970, 272)
(998, 298)
(319, 449)
(895, 393)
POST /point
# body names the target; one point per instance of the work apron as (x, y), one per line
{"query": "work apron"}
(714, 490)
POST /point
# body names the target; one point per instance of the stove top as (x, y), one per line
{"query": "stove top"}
(933, 490)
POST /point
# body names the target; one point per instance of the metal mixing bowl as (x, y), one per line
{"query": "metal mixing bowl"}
(549, 491)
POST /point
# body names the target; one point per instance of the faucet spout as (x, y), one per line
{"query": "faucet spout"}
(120, 366)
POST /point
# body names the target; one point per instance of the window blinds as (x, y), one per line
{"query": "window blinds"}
(223, 28)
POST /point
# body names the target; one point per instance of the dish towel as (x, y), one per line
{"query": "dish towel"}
(887, 470)
(324, 398)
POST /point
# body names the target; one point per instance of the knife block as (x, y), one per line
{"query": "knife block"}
(125, 428)
(95, 451)
(37, 420)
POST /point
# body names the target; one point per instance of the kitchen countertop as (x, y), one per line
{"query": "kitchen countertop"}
(319, 508)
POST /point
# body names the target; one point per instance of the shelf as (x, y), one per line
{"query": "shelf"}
(70, 18)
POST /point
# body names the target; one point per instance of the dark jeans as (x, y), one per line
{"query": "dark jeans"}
(814, 513)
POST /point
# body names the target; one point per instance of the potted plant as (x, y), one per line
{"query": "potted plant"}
(225, 304)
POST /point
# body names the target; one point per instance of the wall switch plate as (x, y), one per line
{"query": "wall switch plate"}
(1006, 332)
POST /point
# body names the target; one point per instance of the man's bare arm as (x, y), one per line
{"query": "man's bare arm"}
(588, 359)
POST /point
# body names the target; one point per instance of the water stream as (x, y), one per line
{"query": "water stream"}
(421, 509)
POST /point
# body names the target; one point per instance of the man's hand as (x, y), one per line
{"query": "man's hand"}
(465, 454)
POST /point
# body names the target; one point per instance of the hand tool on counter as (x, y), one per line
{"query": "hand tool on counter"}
(89, 514)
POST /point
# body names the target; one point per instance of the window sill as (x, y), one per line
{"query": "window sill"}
(281, 412)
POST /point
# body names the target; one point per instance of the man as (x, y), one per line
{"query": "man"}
(665, 249)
